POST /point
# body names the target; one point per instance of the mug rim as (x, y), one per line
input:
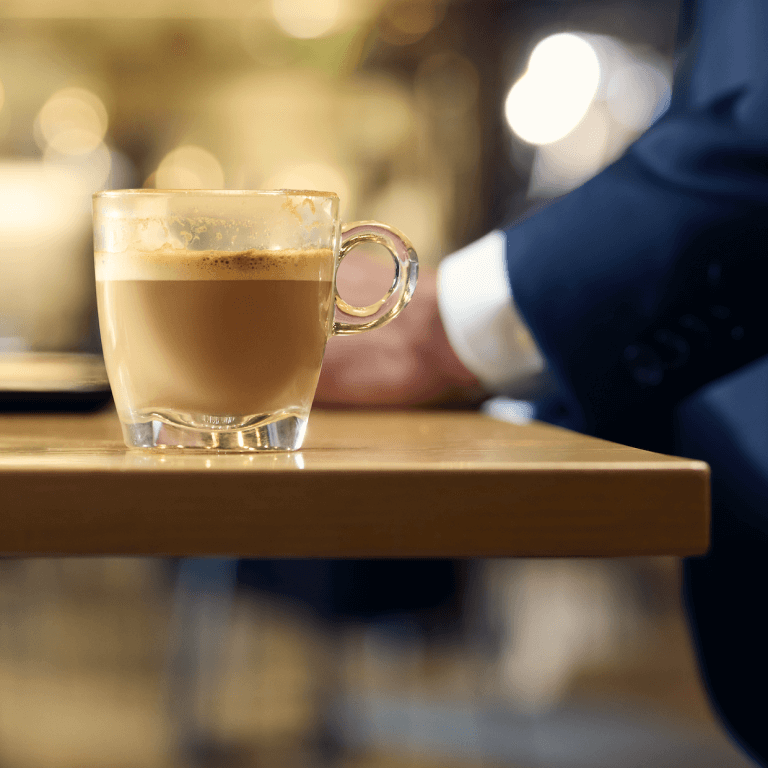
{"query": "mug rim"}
(311, 193)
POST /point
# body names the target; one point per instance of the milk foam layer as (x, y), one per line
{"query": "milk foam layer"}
(181, 264)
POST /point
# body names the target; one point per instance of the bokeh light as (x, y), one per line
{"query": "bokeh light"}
(637, 94)
(94, 167)
(189, 167)
(73, 121)
(633, 90)
(556, 91)
(320, 176)
(562, 165)
(405, 21)
(306, 19)
(45, 222)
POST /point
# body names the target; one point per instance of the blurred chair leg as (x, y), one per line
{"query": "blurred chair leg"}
(201, 610)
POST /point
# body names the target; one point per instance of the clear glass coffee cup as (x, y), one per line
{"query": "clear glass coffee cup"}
(215, 308)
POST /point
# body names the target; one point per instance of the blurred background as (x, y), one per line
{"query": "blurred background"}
(445, 119)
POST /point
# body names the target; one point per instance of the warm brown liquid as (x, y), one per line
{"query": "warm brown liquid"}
(218, 347)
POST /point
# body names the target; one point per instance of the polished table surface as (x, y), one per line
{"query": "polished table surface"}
(366, 484)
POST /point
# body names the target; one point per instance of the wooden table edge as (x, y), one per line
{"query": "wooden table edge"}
(159, 514)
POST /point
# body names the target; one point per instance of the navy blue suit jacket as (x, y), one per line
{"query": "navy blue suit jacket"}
(646, 290)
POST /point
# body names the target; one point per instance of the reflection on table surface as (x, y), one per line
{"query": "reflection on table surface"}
(401, 439)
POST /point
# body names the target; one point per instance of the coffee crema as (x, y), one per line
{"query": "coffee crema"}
(182, 264)
(228, 335)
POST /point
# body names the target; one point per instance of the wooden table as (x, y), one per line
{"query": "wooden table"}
(394, 484)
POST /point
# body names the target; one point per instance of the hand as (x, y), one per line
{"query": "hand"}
(407, 362)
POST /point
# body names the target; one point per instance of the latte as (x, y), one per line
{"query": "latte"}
(217, 336)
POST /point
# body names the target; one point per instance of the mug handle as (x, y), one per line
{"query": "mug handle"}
(403, 284)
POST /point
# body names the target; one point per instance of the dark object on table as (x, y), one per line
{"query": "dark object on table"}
(41, 381)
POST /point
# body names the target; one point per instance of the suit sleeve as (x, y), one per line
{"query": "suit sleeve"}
(647, 282)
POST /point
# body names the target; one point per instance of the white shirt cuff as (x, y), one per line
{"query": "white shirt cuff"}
(481, 321)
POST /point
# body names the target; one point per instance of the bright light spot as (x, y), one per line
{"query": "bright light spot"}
(94, 167)
(563, 165)
(637, 95)
(322, 177)
(556, 91)
(189, 167)
(45, 220)
(73, 121)
(306, 19)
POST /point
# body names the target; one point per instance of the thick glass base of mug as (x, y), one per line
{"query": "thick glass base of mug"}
(170, 430)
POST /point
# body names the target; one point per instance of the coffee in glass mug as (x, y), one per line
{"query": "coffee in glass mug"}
(215, 308)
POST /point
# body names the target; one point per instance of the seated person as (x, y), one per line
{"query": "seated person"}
(638, 299)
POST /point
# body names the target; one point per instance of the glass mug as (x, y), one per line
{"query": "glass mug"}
(215, 308)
